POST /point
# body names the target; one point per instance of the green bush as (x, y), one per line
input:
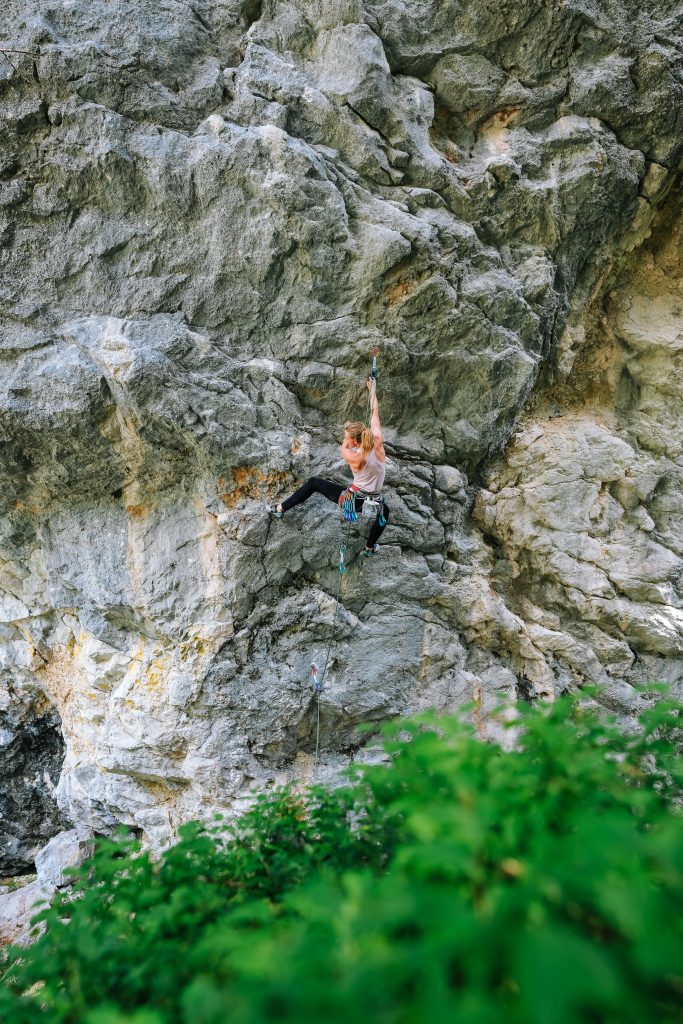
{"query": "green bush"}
(456, 882)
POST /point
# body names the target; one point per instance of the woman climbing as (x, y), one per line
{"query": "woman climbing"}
(363, 449)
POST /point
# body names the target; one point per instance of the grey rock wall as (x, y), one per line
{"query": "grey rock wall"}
(209, 214)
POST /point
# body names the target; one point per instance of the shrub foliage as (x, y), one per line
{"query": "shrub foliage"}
(455, 882)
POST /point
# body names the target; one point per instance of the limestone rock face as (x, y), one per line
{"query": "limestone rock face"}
(63, 853)
(21, 898)
(18, 907)
(209, 215)
(587, 499)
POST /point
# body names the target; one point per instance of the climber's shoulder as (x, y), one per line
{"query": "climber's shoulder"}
(354, 457)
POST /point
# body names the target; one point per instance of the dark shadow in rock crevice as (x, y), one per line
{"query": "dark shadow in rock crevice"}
(251, 12)
(31, 758)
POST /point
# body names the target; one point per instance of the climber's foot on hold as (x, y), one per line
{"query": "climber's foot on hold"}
(369, 552)
(276, 511)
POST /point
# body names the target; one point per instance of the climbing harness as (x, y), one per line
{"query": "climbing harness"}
(371, 507)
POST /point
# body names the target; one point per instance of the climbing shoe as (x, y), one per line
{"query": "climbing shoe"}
(369, 552)
(272, 509)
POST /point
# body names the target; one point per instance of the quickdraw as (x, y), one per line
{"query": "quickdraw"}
(375, 353)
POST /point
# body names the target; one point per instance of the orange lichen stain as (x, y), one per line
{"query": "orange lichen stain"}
(23, 506)
(296, 446)
(450, 151)
(136, 511)
(250, 482)
(396, 292)
(196, 644)
(501, 118)
(155, 674)
(243, 475)
(400, 282)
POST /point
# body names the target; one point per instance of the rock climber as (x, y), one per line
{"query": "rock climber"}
(363, 449)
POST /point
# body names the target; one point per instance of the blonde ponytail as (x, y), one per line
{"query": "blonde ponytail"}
(362, 435)
(367, 441)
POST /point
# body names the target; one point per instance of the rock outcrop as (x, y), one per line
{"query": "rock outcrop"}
(209, 214)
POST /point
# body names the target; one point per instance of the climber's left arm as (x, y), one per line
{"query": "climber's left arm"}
(375, 425)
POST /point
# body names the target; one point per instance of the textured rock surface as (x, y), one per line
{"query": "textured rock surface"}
(587, 502)
(209, 214)
(20, 897)
(64, 851)
(17, 908)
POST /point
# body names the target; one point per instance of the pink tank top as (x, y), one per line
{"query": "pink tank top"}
(371, 477)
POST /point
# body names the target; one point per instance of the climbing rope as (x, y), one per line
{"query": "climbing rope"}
(319, 680)
(347, 506)
(348, 510)
(373, 376)
(400, 381)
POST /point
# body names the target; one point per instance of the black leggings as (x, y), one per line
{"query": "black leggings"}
(331, 491)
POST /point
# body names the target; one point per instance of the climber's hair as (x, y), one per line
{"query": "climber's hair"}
(361, 434)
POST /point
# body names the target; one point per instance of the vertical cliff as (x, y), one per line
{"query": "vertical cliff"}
(209, 214)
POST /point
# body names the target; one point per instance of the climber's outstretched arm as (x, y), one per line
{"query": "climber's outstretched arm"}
(375, 425)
